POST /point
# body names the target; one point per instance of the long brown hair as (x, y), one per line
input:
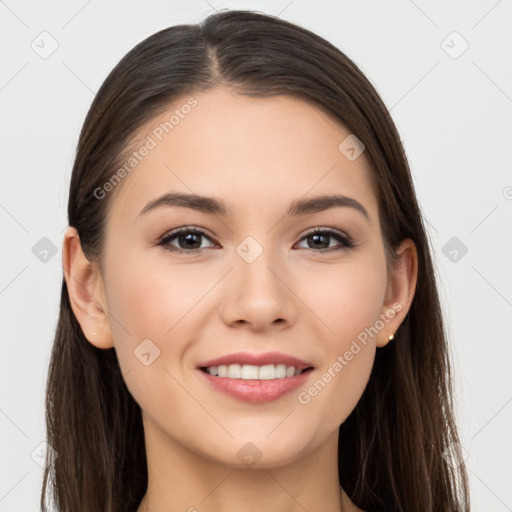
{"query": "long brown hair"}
(392, 446)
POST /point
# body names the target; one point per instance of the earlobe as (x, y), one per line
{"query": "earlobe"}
(86, 291)
(400, 291)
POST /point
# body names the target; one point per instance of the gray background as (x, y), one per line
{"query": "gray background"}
(452, 109)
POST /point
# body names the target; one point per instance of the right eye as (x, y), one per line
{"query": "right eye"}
(184, 236)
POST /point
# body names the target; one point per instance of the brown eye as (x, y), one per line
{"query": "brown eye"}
(188, 240)
(320, 240)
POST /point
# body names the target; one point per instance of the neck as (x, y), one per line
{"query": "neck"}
(181, 480)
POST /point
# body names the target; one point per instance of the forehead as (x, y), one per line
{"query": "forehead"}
(251, 152)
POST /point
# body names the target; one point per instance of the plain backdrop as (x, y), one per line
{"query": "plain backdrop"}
(443, 68)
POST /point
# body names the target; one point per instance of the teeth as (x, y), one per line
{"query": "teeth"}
(267, 372)
(235, 371)
(249, 371)
(280, 372)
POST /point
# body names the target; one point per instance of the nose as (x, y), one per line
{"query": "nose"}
(259, 294)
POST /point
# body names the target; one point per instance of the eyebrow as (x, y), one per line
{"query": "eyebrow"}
(213, 206)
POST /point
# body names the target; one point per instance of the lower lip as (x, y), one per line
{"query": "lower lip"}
(255, 390)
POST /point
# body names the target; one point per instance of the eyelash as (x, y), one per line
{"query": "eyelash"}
(345, 240)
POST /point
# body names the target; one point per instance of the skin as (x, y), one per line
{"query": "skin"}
(256, 154)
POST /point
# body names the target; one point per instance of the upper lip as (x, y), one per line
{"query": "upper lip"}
(257, 360)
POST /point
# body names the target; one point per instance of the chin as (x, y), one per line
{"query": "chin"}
(257, 452)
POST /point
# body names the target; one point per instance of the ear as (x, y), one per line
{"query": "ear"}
(86, 291)
(400, 290)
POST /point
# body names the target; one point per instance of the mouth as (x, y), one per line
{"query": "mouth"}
(256, 378)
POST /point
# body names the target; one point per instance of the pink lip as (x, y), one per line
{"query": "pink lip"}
(255, 390)
(257, 360)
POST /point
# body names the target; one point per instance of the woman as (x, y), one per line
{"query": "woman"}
(298, 360)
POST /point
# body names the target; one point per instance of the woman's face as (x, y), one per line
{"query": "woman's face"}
(260, 283)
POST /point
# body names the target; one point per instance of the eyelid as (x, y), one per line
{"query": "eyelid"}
(185, 229)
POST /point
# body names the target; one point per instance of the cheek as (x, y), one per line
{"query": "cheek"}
(337, 387)
(348, 301)
(152, 299)
(154, 309)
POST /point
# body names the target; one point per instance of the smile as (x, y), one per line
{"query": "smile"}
(250, 372)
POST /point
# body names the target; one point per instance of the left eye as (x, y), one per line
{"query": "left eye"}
(319, 236)
(187, 237)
